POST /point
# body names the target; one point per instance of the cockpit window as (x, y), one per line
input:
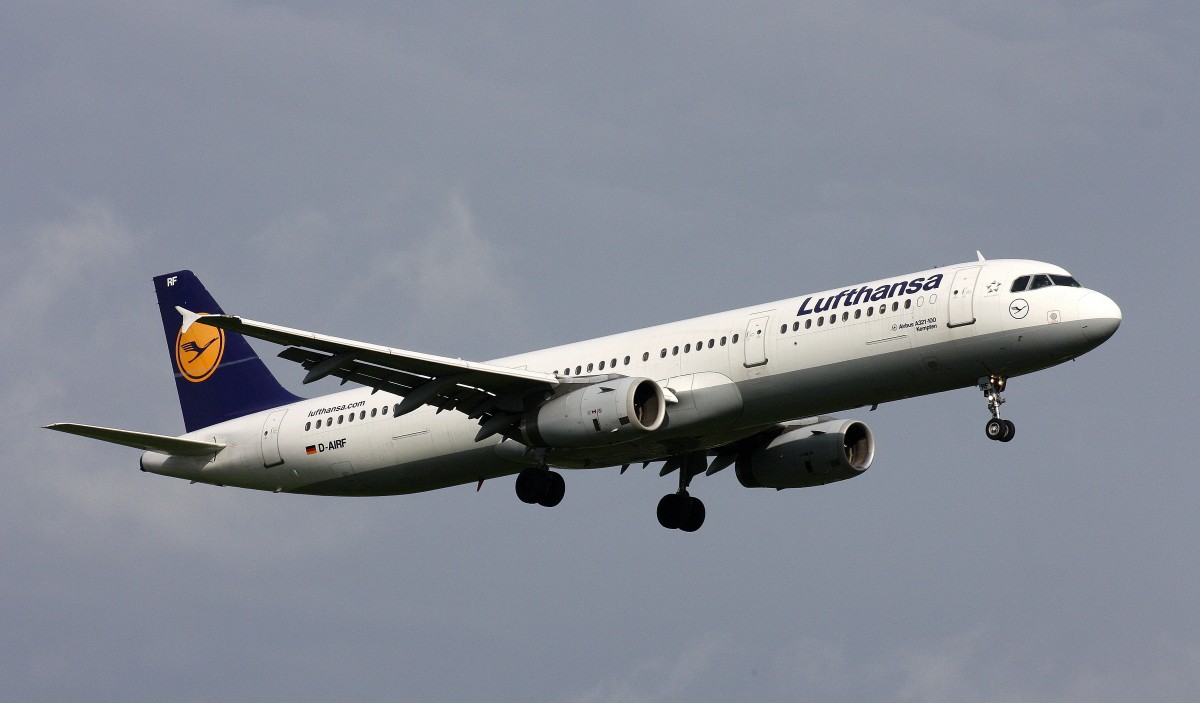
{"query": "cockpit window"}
(1041, 281)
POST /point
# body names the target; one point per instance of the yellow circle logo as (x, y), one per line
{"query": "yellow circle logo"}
(198, 351)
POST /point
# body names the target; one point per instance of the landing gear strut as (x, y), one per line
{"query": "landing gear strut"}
(680, 511)
(996, 428)
(541, 485)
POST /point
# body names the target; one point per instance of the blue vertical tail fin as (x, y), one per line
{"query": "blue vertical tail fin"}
(217, 374)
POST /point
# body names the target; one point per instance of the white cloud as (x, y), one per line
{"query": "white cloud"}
(662, 679)
(54, 259)
(452, 284)
(974, 667)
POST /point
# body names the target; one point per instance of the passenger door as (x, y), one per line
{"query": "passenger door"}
(756, 341)
(270, 439)
(962, 297)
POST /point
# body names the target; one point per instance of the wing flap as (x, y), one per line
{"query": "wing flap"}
(140, 440)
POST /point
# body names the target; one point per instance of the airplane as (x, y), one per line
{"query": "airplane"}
(750, 388)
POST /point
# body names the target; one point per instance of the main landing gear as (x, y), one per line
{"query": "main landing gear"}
(542, 486)
(680, 511)
(996, 428)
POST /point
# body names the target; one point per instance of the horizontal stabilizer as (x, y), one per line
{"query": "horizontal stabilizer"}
(141, 440)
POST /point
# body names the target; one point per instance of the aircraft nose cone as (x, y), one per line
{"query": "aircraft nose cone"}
(1100, 316)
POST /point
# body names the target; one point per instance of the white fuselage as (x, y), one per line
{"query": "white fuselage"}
(733, 374)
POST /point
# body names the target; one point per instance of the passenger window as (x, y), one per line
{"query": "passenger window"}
(908, 304)
(351, 419)
(645, 356)
(307, 425)
(722, 341)
(613, 365)
(821, 321)
(589, 368)
(858, 313)
(339, 419)
(700, 345)
(1020, 284)
(578, 370)
(870, 311)
(383, 410)
(895, 306)
(663, 353)
(735, 339)
(374, 411)
(687, 348)
(601, 365)
(1041, 281)
(808, 324)
(362, 415)
(711, 342)
(675, 351)
(796, 326)
(845, 316)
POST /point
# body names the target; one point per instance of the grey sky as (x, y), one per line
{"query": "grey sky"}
(475, 181)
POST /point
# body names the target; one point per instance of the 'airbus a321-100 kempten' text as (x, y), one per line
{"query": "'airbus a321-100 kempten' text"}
(750, 389)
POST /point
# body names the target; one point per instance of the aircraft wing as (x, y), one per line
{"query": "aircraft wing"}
(494, 395)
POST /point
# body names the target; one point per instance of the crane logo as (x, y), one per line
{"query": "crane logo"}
(198, 351)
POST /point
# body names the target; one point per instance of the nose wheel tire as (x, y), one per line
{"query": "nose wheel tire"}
(1000, 430)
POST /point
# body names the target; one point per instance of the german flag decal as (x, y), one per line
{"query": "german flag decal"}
(310, 449)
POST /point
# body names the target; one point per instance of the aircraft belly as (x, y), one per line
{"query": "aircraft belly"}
(906, 373)
(420, 475)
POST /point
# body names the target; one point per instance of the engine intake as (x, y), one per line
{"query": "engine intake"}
(602, 414)
(810, 455)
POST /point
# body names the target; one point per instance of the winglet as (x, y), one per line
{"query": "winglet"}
(980, 255)
(189, 318)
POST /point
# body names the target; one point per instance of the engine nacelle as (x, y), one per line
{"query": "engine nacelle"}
(605, 413)
(811, 455)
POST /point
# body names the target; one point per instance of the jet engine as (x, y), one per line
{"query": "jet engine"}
(601, 414)
(808, 455)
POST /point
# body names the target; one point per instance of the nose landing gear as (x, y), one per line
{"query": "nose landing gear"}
(996, 428)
